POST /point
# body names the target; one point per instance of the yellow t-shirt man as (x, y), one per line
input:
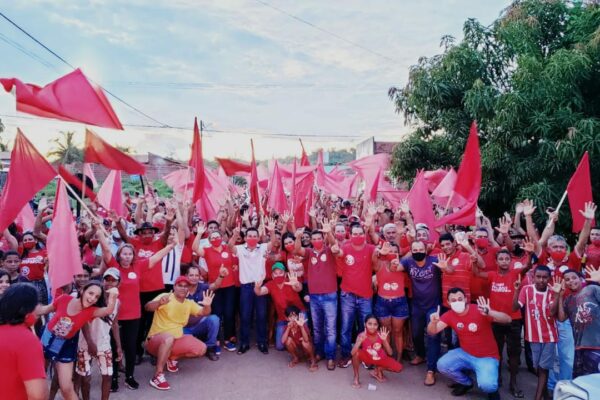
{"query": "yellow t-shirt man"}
(172, 317)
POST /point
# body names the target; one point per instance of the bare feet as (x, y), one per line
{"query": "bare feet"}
(313, 366)
(429, 378)
(293, 363)
(379, 377)
(356, 383)
(417, 360)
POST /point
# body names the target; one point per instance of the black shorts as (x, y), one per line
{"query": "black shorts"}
(509, 334)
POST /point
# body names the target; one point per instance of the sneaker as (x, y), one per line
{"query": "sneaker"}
(230, 346)
(218, 350)
(172, 366)
(461, 390)
(344, 362)
(131, 383)
(212, 355)
(263, 348)
(114, 386)
(159, 382)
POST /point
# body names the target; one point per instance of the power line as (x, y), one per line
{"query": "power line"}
(335, 35)
(72, 67)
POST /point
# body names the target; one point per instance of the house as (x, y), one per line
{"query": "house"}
(370, 146)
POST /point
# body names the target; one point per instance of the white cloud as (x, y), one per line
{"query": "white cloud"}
(116, 35)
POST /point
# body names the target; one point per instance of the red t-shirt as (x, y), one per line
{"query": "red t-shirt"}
(283, 298)
(33, 265)
(474, 331)
(479, 286)
(214, 260)
(357, 270)
(540, 326)
(151, 279)
(129, 288)
(502, 290)
(64, 325)
(592, 255)
(461, 277)
(146, 250)
(320, 271)
(390, 284)
(22, 360)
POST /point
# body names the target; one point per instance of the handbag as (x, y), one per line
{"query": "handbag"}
(53, 344)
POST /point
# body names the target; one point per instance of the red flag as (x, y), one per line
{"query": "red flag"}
(579, 191)
(277, 199)
(253, 186)
(444, 191)
(26, 219)
(87, 171)
(197, 163)
(29, 172)
(75, 182)
(232, 167)
(420, 203)
(69, 98)
(434, 178)
(304, 161)
(98, 151)
(64, 258)
(465, 216)
(110, 195)
(293, 187)
(468, 178)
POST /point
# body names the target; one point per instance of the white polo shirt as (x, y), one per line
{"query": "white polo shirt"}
(252, 263)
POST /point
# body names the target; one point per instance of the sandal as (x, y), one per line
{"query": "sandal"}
(516, 393)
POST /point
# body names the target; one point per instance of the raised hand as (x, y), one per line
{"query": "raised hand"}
(589, 210)
(435, 317)
(361, 338)
(528, 207)
(558, 285)
(383, 333)
(270, 224)
(326, 226)
(312, 212)
(385, 249)
(504, 225)
(404, 207)
(299, 232)
(170, 214)
(292, 279)
(518, 282)
(593, 273)
(371, 209)
(483, 305)
(301, 320)
(113, 292)
(519, 208)
(202, 228)
(335, 248)
(163, 300)
(207, 299)
(442, 262)
(528, 245)
(285, 217)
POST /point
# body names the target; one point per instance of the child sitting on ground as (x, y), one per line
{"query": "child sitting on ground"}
(296, 339)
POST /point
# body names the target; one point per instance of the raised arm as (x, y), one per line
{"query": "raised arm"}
(588, 213)
(12, 241)
(158, 256)
(196, 248)
(435, 326)
(113, 294)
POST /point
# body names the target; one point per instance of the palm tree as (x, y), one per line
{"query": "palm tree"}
(66, 152)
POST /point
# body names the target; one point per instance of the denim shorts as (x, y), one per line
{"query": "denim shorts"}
(395, 308)
(543, 355)
(59, 349)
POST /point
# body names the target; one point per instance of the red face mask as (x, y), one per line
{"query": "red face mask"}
(290, 247)
(317, 244)
(159, 225)
(358, 240)
(596, 242)
(94, 243)
(340, 237)
(558, 255)
(252, 242)
(216, 242)
(482, 243)
(279, 279)
(389, 257)
(29, 245)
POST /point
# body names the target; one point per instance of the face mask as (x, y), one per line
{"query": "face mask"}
(94, 243)
(317, 244)
(558, 256)
(29, 245)
(279, 279)
(30, 319)
(518, 250)
(389, 257)
(419, 256)
(216, 242)
(290, 247)
(458, 306)
(482, 243)
(159, 225)
(357, 240)
(146, 240)
(340, 237)
(252, 242)
(596, 242)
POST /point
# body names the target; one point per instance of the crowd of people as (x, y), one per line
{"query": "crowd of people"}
(361, 284)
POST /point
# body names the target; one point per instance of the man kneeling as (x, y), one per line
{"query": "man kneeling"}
(166, 340)
(478, 351)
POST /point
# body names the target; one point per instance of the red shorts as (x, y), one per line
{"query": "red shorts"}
(386, 362)
(186, 346)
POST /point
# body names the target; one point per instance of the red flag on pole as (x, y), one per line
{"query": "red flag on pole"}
(87, 171)
(69, 98)
(420, 204)
(110, 195)
(197, 163)
(579, 191)
(29, 172)
(231, 167)
(26, 219)
(468, 178)
(304, 162)
(64, 258)
(253, 188)
(277, 200)
(465, 216)
(96, 150)
(75, 182)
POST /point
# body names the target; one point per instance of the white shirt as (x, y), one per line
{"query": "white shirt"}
(252, 263)
(171, 265)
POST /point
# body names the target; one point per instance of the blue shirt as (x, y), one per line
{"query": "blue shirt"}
(426, 282)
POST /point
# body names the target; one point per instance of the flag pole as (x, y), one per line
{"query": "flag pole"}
(562, 200)
(85, 207)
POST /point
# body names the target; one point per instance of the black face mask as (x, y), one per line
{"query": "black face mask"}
(419, 256)
(518, 250)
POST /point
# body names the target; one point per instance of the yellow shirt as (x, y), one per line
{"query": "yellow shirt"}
(173, 316)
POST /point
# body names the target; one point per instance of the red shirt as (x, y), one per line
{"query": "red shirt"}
(540, 326)
(146, 250)
(502, 289)
(129, 288)
(283, 298)
(64, 325)
(152, 279)
(479, 286)
(390, 284)
(474, 331)
(214, 260)
(592, 255)
(22, 360)
(357, 270)
(321, 271)
(461, 277)
(33, 265)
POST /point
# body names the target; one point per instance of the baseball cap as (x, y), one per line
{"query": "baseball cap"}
(112, 271)
(182, 279)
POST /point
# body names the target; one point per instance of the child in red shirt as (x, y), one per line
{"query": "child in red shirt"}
(297, 340)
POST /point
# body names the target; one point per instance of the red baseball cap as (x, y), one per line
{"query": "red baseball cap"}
(182, 279)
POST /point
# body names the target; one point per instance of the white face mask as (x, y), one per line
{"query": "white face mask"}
(458, 306)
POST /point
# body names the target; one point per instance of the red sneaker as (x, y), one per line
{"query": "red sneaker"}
(159, 382)
(172, 366)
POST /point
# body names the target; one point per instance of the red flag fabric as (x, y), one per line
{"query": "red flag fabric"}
(87, 171)
(444, 191)
(304, 194)
(232, 167)
(179, 180)
(29, 172)
(468, 178)
(76, 182)
(25, 219)
(277, 200)
(215, 190)
(253, 186)
(69, 98)
(110, 195)
(434, 178)
(304, 162)
(579, 191)
(465, 216)
(420, 203)
(64, 258)
(98, 151)
(197, 163)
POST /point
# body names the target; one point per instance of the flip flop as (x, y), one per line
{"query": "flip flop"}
(517, 393)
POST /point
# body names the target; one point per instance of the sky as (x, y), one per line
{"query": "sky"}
(271, 70)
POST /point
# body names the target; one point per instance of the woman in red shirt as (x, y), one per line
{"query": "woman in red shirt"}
(22, 367)
(61, 335)
(34, 261)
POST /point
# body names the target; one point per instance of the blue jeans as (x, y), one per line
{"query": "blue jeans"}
(419, 319)
(563, 365)
(351, 305)
(323, 308)
(205, 329)
(249, 303)
(224, 307)
(456, 362)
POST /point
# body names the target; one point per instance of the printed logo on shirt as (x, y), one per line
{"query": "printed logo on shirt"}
(33, 260)
(472, 327)
(460, 326)
(313, 260)
(132, 275)
(584, 313)
(349, 259)
(518, 265)
(373, 353)
(500, 288)
(25, 271)
(145, 253)
(63, 327)
(455, 262)
(323, 257)
(225, 255)
(390, 286)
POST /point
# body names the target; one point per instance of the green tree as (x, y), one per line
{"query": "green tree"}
(65, 150)
(3, 144)
(531, 80)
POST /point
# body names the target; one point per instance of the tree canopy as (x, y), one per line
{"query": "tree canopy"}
(531, 80)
